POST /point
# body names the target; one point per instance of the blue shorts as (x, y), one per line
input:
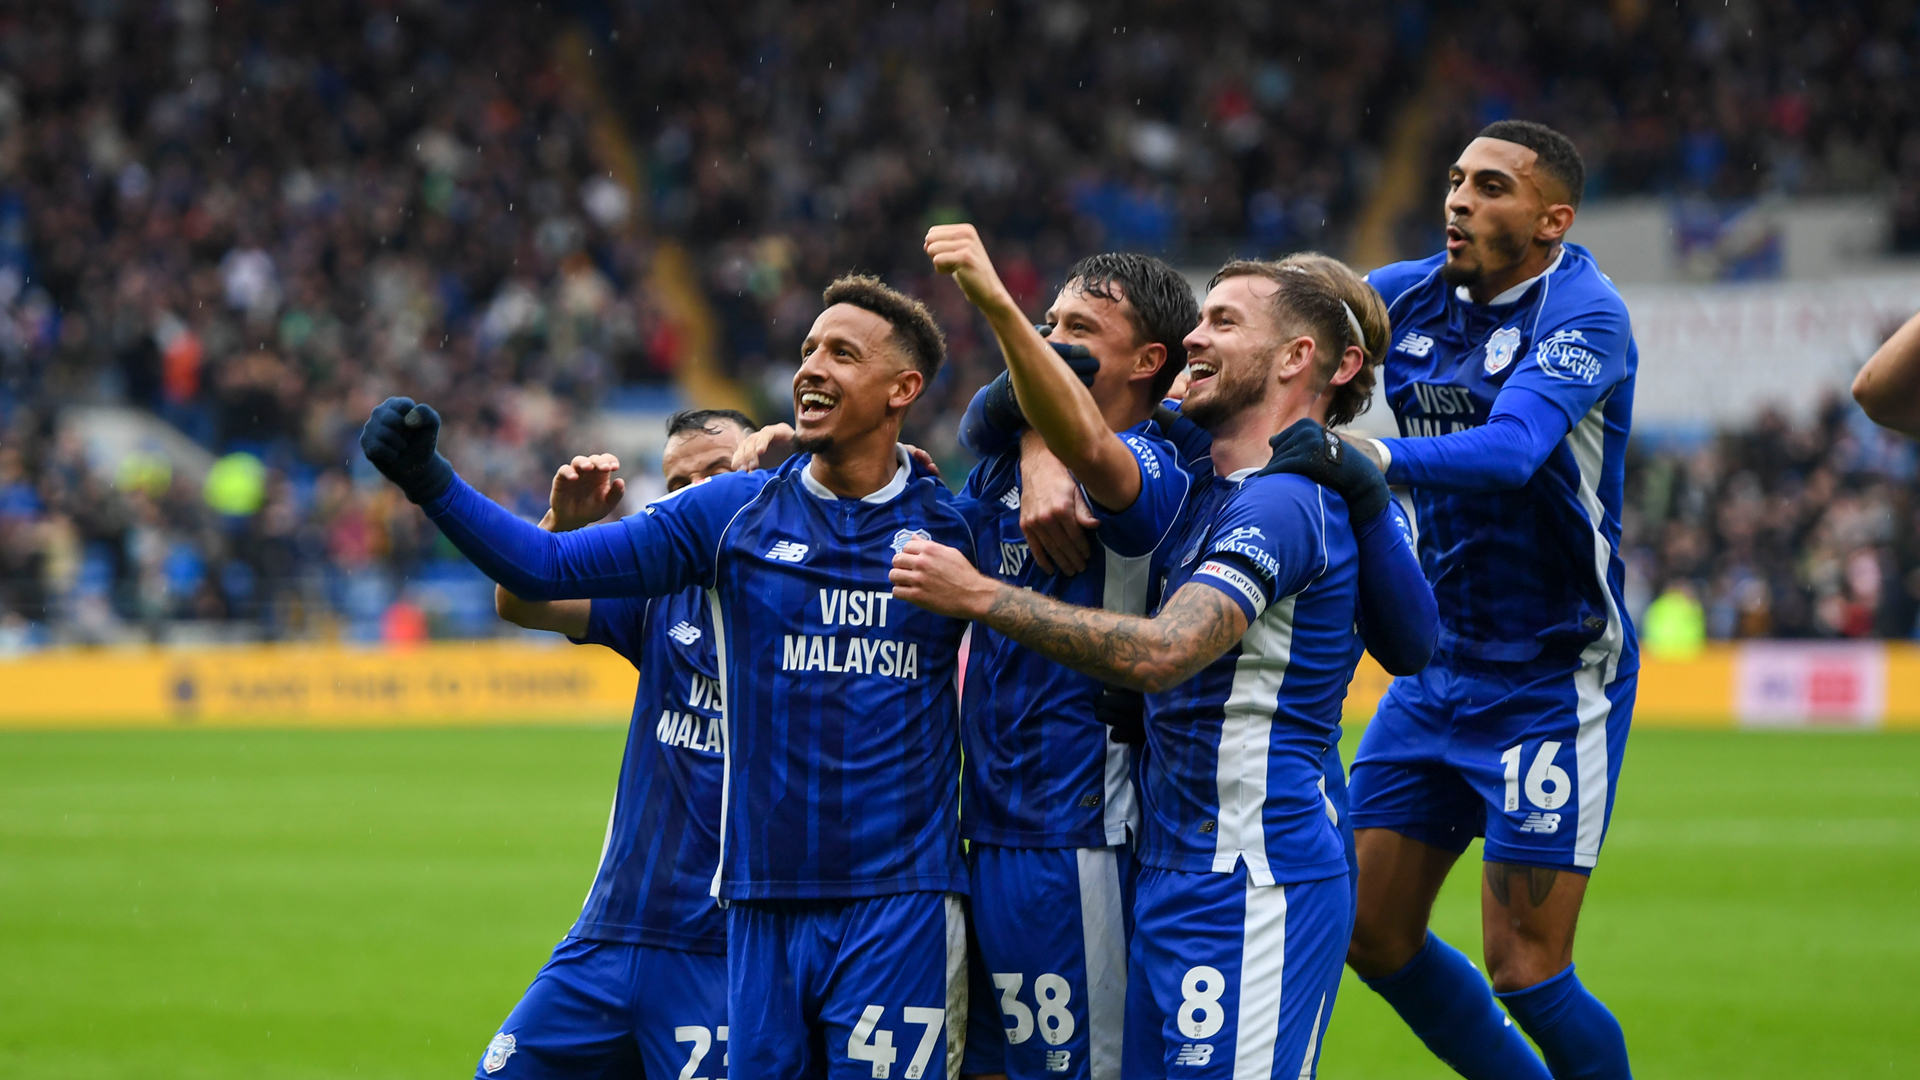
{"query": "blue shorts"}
(608, 1008)
(1233, 980)
(844, 989)
(1525, 754)
(1050, 929)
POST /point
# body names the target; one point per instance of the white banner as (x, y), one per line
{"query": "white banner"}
(1717, 354)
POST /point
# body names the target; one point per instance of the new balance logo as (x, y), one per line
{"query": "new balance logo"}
(1011, 500)
(684, 632)
(1415, 344)
(1059, 1060)
(787, 551)
(1194, 1054)
(1541, 823)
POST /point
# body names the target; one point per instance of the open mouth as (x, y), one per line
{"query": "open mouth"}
(1198, 370)
(1456, 239)
(815, 405)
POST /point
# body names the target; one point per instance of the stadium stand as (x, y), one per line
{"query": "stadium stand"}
(1729, 101)
(252, 221)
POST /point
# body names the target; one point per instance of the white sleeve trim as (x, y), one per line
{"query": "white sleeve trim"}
(1386, 455)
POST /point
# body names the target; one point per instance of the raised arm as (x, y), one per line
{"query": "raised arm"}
(1192, 630)
(1050, 395)
(533, 564)
(1888, 388)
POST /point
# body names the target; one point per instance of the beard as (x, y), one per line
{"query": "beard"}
(812, 444)
(1505, 248)
(1233, 393)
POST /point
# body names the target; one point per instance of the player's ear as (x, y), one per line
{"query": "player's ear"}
(1555, 220)
(1350, 363)
(1147, 362)
(906, 388)
(1296, 356)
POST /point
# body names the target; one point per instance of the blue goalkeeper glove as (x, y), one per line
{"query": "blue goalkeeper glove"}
(1309, 450)
(399, 439)
(1002, 410)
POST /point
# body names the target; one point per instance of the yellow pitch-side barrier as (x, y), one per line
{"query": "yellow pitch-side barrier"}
(315, 686)
(1863, 685)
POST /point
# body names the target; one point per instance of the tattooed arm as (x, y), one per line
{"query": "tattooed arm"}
(1190, 632)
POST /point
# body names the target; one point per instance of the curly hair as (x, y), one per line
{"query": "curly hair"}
(914, 328)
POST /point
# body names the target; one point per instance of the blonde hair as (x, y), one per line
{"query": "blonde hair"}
(1334, 303)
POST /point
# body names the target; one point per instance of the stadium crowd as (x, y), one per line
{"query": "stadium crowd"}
(1780, 529)
(255, 220)
(1717, 104)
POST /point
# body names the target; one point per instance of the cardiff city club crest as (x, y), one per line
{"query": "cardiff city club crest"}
(498, 1051)
(906, 536)
(1500, 349)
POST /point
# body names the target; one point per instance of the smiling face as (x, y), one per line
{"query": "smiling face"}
(1497, 203)
(854, 377)
(1108, 329)
(1230, 355)
(693, 456)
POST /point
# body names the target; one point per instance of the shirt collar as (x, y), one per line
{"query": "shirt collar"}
(1241, 474)
(1517, 291)
(886, 494)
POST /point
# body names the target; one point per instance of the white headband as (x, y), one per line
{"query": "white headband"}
(1359, 336)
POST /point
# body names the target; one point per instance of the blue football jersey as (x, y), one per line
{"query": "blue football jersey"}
(1235, 762)
(663, 837)
(842, 736)
(1040, 770)
(1527, 569)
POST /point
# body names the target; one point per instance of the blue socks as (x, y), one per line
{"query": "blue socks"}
(1581, 1039)
(1447, 1002)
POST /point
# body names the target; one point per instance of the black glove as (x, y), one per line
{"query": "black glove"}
(399, 439)
(1002, 409)
(1125, 714)
(1312, 451)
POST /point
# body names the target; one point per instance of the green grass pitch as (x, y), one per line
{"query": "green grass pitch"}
(305, 904)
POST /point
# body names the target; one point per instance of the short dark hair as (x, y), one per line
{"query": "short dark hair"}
(702, 420)
(1164, 310)
(914, 328)
(1559, 158)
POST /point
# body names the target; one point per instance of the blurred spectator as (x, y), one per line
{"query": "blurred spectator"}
(1675, 626)
(1778, 530)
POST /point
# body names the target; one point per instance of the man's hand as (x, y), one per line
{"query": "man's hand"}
(941, 580)
(1054, 516)
(1309, 450)
(764, 448)
(400, 439)
(957, 250)
(1366, 448)
(921, 458)
(585, 491)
